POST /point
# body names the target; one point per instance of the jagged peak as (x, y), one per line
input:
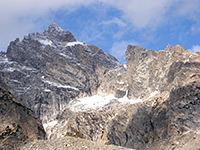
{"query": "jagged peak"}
(176, 48)
(168, 47)
(53, 26)
(55, 32)
(135, 48)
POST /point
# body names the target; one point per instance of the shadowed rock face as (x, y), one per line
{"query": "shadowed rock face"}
(167, 125)
(17, 123)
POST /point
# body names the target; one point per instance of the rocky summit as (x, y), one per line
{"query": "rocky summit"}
(76, 89)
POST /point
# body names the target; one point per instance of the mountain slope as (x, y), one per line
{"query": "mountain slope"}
(17, 123)
(70, 143)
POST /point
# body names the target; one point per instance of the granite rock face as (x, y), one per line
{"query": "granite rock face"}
(17, 123)
(149, 71)
(169, 119)
(45, 71)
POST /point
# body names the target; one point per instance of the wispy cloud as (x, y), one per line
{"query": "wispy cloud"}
(90, 33)
(195, 29)
(195, 48)
(116, 21)
(143, 13)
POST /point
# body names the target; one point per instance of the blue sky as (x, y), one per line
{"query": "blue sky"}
(111, 25)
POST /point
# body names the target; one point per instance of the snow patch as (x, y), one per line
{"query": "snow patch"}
(152, 95)
(16, 81)
(60, 85)
(19, 68)
(62, 54)
(120, 82)
(10, 69)
(27, 68)
(47, 90)
(5, 61)
(46, 42)
(92, 102)
(70, 44)
(98, 101)
(50, 124)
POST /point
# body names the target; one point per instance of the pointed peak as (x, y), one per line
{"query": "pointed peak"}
(53, 26)
(176, 49)
(55, 32)
(168, 47)
(135, 48)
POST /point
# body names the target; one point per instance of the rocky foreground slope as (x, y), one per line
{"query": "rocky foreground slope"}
(78, 90)
(70, 143)
(18, 124)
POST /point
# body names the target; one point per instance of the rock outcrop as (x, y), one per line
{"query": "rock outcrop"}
(17, 123)
(149, 71)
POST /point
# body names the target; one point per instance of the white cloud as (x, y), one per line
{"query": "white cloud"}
(90, 33)
(195, 29)
(143, 13)
(195, 48)
(115, 20)
(190, 9)
(119, 49)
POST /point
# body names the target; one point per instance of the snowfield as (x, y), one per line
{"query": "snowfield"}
(98, 101)
(46, 42)
(50, 124)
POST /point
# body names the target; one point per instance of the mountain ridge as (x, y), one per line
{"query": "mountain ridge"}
(77, 89)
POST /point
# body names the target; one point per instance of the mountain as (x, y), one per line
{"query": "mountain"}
(17, 123)
(45, 71)
(78, 90)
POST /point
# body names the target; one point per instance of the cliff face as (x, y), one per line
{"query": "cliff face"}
(78, 90)
(149, 71)
(17, 123)
(170, 118)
